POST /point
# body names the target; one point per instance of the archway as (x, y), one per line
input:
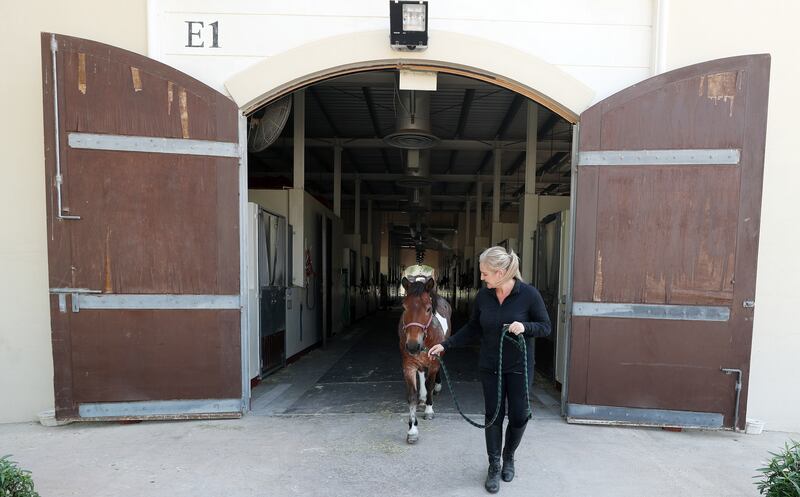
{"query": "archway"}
(448, 52)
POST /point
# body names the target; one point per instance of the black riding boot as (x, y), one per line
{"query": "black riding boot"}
(513, 437)
(494, 443)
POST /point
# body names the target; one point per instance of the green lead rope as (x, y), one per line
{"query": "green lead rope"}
(519, 341)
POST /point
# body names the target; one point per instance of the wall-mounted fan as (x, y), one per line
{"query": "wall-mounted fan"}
(266, 127)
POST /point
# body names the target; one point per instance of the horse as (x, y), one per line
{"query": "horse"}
(424, 323)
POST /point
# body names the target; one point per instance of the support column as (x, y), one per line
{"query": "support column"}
(337, 179)
(478, 202)
(467, 241)
(357, 213)
(529, 203)
(477, 246)
(357, 229)
(384, 250)
(496, 226)
(369, 221)
(370, 240)
(296, 194)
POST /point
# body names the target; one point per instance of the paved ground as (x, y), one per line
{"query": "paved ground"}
(366, 455)
(313, 431)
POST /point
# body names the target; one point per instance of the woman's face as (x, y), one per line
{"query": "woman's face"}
(491, 276)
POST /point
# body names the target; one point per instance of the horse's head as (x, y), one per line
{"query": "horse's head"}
(417, 313)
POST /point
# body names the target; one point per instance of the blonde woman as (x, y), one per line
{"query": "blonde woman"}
(506, 299)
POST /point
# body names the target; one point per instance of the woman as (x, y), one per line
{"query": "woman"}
(506, 299)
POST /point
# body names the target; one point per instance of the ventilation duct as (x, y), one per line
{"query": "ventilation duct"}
(412, 121)
(419, 199)
(418, 169)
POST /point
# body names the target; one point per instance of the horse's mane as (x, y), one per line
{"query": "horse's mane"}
(417, 288)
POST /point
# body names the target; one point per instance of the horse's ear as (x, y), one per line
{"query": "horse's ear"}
(429, 285)
(405, 283)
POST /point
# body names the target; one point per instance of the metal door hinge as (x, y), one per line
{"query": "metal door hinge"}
(749, 304)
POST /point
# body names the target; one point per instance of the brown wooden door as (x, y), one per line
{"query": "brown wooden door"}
(666, 238)
(143, 236)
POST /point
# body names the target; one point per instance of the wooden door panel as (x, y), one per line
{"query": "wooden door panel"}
(154, 223)
(666, 235)
(130, 355)
(649, 252)
(148, 226)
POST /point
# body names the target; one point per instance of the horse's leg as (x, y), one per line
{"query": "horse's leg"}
(410, 375)
(438, 387)
(422, 387)
(432, 375)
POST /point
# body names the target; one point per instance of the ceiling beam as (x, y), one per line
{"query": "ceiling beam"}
(459, 144)
(376, 126)
(372, 114)
(443, 178)
(548, 125)
(512, 169)
(336, 132)
(466, 105)
(554, 162)
(511, 113)
(325, 113)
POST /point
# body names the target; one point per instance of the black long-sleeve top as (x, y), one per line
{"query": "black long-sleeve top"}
(523, 304)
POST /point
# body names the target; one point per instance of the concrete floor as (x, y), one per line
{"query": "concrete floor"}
(366, 454)
(292, 443)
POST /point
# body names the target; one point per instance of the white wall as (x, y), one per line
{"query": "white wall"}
(606, 45)
(699, 31)
(297, 341)
(26, 360)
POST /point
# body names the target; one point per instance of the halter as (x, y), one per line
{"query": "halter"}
(423, 326)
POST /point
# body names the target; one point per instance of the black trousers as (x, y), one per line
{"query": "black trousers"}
(512, 397)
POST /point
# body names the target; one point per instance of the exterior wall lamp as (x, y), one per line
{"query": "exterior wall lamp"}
(408, 22)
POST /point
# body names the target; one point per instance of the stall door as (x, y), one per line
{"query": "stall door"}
(143, 237)
(668, 204)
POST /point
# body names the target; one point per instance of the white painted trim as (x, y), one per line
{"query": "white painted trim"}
(447, 51)
(243, 269)
(659, 29)
(152, 29)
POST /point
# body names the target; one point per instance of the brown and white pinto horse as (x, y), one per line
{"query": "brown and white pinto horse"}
(425, 322)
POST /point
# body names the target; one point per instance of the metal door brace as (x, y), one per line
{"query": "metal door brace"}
(74, 292)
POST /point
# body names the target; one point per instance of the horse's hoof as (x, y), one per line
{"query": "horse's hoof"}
(428, 416)
(412, 439)
(437, 389)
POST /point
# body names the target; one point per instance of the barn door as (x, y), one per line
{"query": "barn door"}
(666, 237)
(143, 236)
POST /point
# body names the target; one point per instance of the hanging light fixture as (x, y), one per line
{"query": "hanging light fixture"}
(408, 22)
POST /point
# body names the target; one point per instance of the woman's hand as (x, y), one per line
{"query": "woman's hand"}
(435, 350)
(516, 328)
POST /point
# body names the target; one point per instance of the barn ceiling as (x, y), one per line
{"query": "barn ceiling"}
(469, 116)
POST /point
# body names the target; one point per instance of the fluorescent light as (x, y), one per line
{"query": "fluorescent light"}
(414, 17)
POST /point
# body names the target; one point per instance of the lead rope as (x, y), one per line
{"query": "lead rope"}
(519, 341)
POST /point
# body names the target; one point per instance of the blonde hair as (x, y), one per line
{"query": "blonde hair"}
(498, 259)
